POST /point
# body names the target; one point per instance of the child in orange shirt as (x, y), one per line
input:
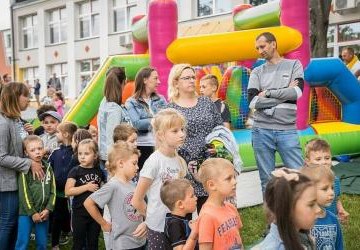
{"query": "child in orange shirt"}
(219, 221)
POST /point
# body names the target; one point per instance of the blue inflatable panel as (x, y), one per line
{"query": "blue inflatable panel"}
(333, 74)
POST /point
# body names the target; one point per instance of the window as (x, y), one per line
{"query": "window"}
(29, 32)
(31, 74)
(211, 7)
(331, 34)
(61, 72)
(349, 32)
(124, 11)
(89, 19)
(258, 2)
(88, 68)
(7, 39)
(57, 26)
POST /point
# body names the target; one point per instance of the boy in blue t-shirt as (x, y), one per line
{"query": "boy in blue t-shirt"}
(327, 230)
(317, 152)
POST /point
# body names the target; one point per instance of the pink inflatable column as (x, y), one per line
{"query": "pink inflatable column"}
(162, 30)
(295, 14)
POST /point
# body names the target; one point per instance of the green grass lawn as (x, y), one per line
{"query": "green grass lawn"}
(254, 225)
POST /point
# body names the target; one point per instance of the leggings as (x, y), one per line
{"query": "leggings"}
(85, 230)
(145, 151)
(60, 220)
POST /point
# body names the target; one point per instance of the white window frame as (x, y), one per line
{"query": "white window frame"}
(94, 66)
(90, 17)
(60, 23)
(31, 31)
(62, 73)
(129, 4)
(31, 74)
(213, 7)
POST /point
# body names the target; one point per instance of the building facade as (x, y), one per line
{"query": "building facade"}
(344, 27)
(72, 38)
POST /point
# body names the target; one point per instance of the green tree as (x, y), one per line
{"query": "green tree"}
(319, 23)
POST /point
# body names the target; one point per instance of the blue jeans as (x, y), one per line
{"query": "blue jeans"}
(9, 212)
(266, 142)
(25, 226)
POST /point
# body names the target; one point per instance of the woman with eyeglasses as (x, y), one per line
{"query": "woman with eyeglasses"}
(201, 117)
(142, 107)
(111, 112)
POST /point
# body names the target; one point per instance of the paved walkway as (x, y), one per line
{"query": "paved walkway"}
(248, 191)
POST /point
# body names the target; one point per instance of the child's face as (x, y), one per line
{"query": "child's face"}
(59, 136)
(226, 182)
(206, 88)
(175, 136)
(306, 209)
(50, 125)
(93, 132)
(35, 150)
(325, 192)
(319, 158)
(132, 140)
(73, 143)
(130, 167)
(86, 155)
(189, 201)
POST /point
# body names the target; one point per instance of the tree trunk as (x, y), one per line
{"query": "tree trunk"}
(319, 22)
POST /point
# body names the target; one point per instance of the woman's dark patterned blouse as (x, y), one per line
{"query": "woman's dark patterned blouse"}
(200, 121)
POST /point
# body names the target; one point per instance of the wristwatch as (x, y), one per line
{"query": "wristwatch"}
(267, 93)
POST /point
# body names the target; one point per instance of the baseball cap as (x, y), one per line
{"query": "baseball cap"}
(51, 113)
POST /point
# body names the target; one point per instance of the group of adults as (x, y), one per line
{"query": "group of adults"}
(200, 112)
(273, 90)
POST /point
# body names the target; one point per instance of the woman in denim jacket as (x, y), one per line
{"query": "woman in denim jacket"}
(111, 112)
(142, 106)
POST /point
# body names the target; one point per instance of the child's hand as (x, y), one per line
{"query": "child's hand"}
(140, 231)
(106, 227)
(343, 216)
(29, 128)
(193, 224)
(44, 215)
(92, 186)
(36, 218)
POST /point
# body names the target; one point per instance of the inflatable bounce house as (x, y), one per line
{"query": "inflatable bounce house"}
(330, 104)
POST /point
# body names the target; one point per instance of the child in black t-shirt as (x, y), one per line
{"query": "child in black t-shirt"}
(178, 195)
(82, 181)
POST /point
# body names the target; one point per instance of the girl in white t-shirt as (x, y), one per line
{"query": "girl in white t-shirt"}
(164, 164)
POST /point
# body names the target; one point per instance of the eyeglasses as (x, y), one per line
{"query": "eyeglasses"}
(187, 78)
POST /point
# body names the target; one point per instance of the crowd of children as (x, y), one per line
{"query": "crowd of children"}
(153, 208)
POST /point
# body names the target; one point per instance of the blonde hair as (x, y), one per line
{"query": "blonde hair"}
(9, 100)
(211, 168)
(164, 120)
(174, 75)
(93, 146)
(167, 119)
(316, 145)
(123, 131)
(317, 173)
(32, 138)
(174, 190)
(212, 80)
(67, 127)
(119, 151)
